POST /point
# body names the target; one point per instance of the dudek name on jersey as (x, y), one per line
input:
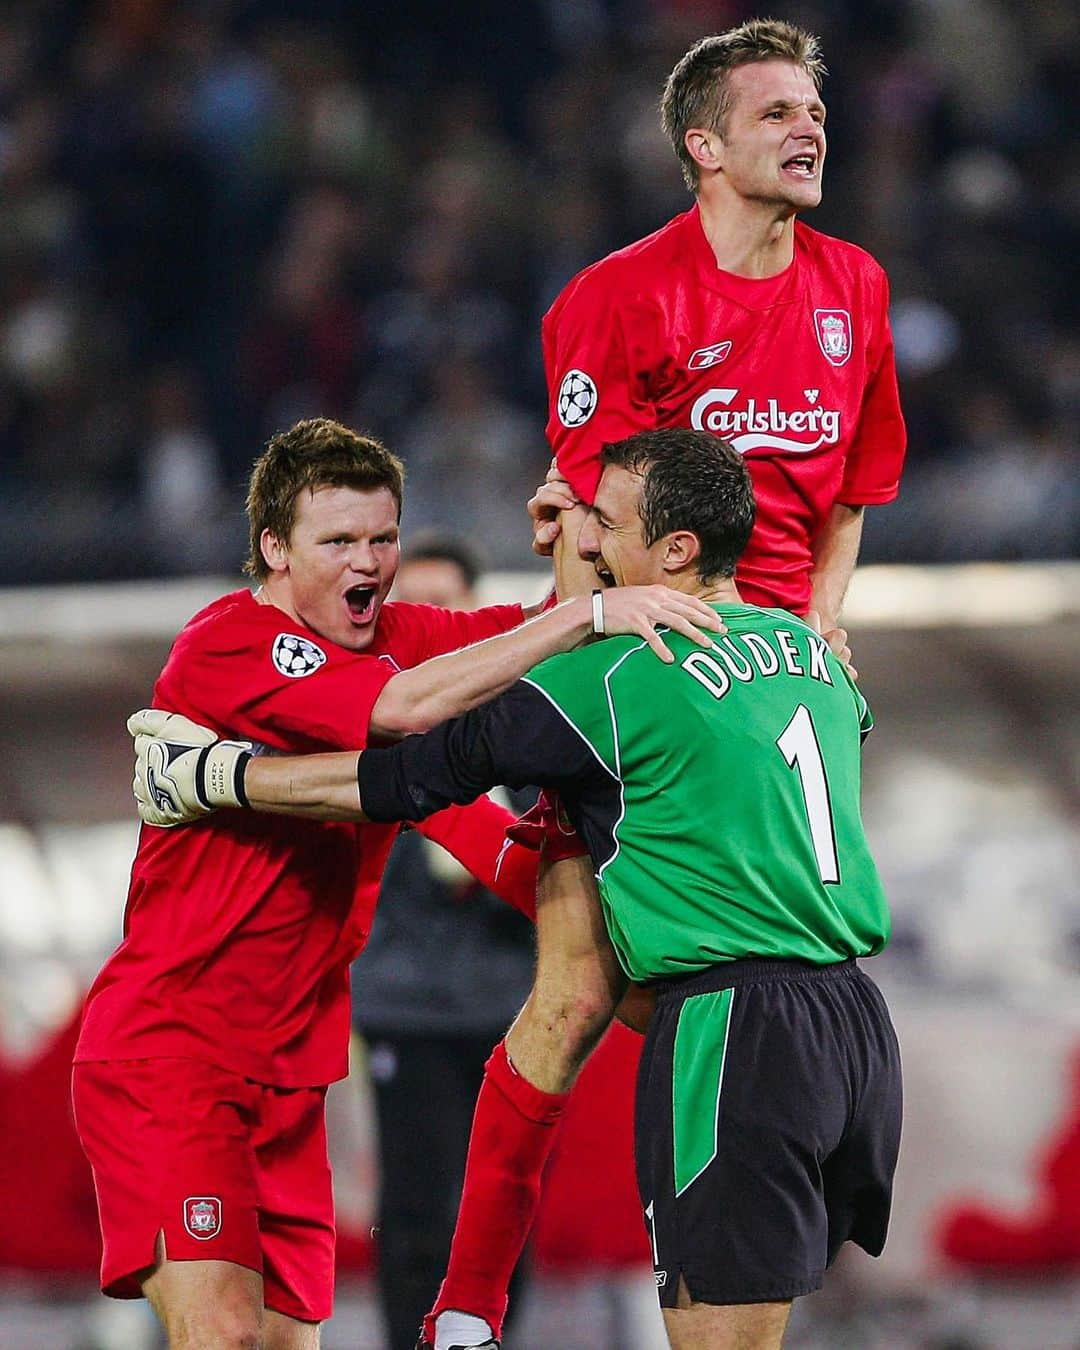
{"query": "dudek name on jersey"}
(746, 655)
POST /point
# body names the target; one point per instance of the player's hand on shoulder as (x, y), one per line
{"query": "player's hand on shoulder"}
(643, 609)
(182, 769)
(550, 498)
(837, 639)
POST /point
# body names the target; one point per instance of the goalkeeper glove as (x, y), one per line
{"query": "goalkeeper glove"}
(182, 769)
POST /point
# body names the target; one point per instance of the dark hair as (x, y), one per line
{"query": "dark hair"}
(433, 546)
(315, 453)
(691, 480)
(696, 93)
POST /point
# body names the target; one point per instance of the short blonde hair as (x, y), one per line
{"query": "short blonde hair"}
(696, 93)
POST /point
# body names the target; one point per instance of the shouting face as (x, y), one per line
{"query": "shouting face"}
(336, 568)
(772, 148)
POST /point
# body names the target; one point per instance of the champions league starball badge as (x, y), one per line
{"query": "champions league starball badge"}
(296, 656)
(577, 398)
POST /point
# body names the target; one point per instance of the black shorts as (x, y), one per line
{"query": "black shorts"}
(768, 1124)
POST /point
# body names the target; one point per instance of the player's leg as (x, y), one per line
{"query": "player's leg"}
(296, 1215)
(170, 1146)
(203, 1305)
(742, 1097)
(738, 1326)
(578, 981)
(856, 1152)
(577, 985)
(207, 1305)
(858, 1175)
(287, 1333)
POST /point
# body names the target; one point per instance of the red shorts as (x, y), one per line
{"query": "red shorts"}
(224, 1168)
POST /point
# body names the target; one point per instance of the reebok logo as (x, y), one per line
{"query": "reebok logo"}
(705, 357)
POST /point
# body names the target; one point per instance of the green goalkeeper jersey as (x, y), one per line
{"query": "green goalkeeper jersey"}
(718, 796)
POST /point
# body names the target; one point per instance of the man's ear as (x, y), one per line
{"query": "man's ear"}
(682, 548)
(275, 553)
(705, 148)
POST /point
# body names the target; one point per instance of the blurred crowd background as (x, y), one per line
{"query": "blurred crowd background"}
(220, 216)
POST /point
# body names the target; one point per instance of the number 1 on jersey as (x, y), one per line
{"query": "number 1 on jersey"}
(798, 744)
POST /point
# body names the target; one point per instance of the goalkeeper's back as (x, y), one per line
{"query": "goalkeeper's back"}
(740, 832)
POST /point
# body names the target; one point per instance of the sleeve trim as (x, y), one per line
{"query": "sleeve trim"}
(597, 865)
(572, 725)
(611, 704)
(869, 497)
(618, 757)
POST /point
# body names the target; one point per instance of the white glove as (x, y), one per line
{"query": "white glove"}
(182, 770)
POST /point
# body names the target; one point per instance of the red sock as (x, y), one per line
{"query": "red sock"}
(512, 1133)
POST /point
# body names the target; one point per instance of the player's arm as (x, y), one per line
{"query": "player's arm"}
(601, 346)
(835, 553)
(871, 474)
(541, 607)
(871, 470)
(446, 686)
(319, 787)
(838, 546)
(182, 771)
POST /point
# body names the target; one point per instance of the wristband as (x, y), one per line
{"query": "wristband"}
(598, 613)
(239, 787)
(219, 775)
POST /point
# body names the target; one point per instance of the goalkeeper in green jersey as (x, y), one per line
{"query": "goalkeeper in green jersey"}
(717, 795)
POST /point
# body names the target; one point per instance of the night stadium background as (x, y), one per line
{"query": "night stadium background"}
(216, 218)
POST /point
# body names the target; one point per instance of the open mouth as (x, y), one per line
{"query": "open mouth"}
(603, 575)
(361, 603)
(803, 166)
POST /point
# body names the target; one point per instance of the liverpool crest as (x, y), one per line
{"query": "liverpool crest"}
(202, 1216)
(833, 328)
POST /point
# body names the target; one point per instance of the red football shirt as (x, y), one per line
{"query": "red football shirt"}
(796, 371)
(239, 929)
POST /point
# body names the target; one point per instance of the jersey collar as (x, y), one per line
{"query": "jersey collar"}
(750, 292)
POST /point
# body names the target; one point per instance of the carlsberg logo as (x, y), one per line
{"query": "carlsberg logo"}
(764, 426)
